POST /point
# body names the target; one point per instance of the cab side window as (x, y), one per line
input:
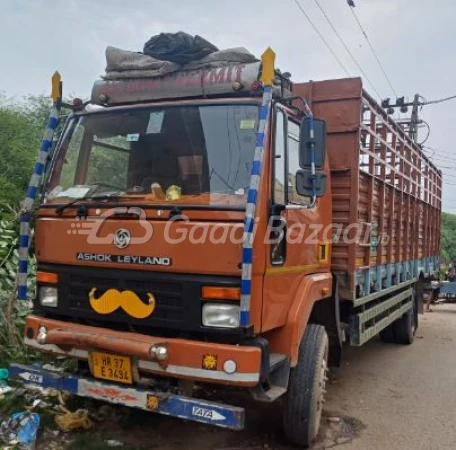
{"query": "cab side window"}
(293, 165)
(279, 158)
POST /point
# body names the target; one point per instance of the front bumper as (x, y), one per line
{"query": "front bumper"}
(185, 357)
(172, 405)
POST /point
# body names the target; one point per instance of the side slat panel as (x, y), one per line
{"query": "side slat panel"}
(382, 182)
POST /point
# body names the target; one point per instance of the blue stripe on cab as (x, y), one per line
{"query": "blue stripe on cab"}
(247, 255)
(24, 240)
(23, 266)
(249, 223)
(31, 192)
(259, 140)
(251, 196)
(245, 317)
(246, 286)
(39, 169)
(256, 168)
(264, 111)
(22, 292)
(53, 122)
(45, 145)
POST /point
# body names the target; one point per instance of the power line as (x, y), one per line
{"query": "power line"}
(439, 156)
(441, 100)
(447, 167)
(346, 48)
(352, 9)
(440, 152)
(322, 37)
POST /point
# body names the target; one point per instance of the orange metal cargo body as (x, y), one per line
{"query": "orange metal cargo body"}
(383, 187)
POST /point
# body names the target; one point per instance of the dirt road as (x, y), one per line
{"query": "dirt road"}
(405, 397)
(383, 396)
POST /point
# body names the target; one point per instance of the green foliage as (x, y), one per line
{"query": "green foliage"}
(12, 312)
(21, 129)
(22, 125)
(448, 237)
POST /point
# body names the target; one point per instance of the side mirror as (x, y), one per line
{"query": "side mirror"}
(305, 156)
(304, 180)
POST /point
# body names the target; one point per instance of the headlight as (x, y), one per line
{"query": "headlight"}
(220, 315)
(48, 296)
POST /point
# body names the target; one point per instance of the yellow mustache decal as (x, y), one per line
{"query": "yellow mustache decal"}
(112, 300)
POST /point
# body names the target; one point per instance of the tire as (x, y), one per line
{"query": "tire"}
(402, 331)
(406, 326)
(387, 334)
(306, 389)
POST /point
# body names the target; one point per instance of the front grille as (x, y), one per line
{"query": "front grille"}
(168, 296)
(178, 298)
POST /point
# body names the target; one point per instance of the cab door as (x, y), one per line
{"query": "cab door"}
(298, 245)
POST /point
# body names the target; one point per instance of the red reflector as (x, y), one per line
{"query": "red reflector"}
(256, 85)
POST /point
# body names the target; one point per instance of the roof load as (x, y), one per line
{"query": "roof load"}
(178, 65)
(232, 80)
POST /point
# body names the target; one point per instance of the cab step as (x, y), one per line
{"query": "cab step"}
(276, 383)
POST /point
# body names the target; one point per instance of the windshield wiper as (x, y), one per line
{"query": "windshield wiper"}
(114, 196)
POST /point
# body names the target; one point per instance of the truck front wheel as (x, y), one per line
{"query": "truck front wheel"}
(307, 387)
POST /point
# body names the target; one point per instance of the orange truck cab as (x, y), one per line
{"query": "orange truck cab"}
(153, 275)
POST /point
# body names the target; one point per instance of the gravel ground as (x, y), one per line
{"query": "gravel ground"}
(383, 396)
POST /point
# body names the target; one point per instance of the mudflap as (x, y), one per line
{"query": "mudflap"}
(211, 413)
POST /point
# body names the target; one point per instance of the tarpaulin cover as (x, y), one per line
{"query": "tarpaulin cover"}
(238, 55)
(124, 64)
(121, 64)
(180, 48)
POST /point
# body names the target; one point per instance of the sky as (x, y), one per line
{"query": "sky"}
(414, 40)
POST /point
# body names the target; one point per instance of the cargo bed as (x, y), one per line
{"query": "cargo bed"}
(382, 183)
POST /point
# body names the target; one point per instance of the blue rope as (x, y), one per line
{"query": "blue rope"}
(27, 206)
(252, 196)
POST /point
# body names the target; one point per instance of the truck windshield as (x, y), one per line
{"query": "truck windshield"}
(175, 154)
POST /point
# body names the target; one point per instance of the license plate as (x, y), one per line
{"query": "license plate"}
(107, 366)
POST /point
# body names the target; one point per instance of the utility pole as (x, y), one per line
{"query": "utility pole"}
(413, 130)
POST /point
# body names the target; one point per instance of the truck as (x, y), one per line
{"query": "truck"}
(227, 228)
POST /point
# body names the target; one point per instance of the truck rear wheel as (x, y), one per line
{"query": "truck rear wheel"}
(405, 327)
(307, 387)
(402, 331)
(387, 334)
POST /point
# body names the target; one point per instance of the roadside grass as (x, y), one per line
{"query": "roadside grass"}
(13, 311)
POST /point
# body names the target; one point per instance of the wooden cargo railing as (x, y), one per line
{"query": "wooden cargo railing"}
(382, 180)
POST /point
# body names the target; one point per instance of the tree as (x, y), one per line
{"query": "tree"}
(448, 237)
(21, 130)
